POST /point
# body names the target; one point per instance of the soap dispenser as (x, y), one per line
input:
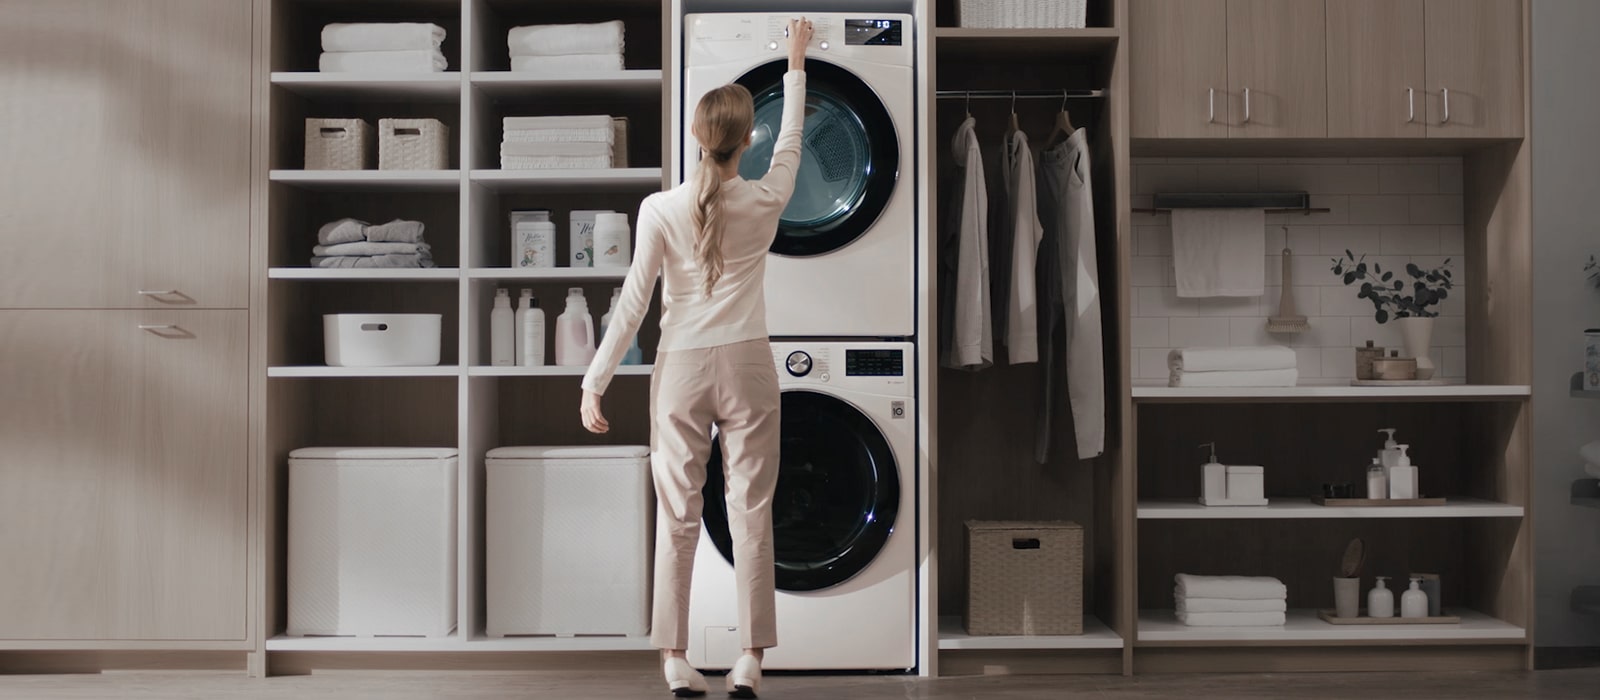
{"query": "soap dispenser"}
(530, 331)
(1390, 454)
(1214, 479)
(1414, 603)
(1403, 476)
(575, 331)
(502, 344)
(1380, 600)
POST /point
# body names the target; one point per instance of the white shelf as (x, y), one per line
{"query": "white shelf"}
(1158, 391)
(1303, 508)
(553, 371)
(502, 84)
(364, 275)
(371, 180)
(322, 372)
(482, 643)
(552, 274)
(286, 643)
(433, 87)
(1096, 635)
(645, 179)
(1161, 627)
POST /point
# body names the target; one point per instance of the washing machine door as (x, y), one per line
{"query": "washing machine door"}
(849, 159)
(837, 496)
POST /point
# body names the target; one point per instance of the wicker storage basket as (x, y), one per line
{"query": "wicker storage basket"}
(619, 142)
(1024, 578)
(338, 144)
(1052, 14)
(413, 144)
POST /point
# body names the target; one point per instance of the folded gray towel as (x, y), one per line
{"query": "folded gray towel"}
(397, 231)
(370, 248)
(342, 231)
(373, 261)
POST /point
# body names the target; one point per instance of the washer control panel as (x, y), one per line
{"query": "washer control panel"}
(876, 367)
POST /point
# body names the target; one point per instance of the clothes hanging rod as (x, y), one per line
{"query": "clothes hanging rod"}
(1020, 94)
(1307, 211)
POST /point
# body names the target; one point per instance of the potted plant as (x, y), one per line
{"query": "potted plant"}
(1407, 301)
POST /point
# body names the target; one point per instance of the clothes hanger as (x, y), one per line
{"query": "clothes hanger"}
(1014, 126)
(969, 104)
(1063, 125)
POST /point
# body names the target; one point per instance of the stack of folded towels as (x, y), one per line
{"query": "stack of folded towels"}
(352, 243)
(397, 47)
(567, 48)
(1271, 365)
(1231, 601)
(540, 143)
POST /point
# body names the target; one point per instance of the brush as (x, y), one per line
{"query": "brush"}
(1287, 321)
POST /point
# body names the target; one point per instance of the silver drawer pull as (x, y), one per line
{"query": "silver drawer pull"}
(1446, 119)
(158, 327)
(157, 292)
(1411, 105)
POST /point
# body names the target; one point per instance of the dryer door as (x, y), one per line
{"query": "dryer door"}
(837, 495)
(850, 156)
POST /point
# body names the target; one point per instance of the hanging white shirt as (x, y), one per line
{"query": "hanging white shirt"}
(1022, 311)
(970, 344)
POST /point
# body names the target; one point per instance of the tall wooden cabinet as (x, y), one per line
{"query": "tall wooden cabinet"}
(1376, 75)
(1277, 68)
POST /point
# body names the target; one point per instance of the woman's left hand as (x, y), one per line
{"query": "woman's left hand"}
(593, 419)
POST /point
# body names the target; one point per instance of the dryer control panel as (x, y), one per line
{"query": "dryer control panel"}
(879, 38)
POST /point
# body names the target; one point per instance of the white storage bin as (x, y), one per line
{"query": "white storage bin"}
(338, 144)
(381, 340)
(372, 541)
(1044, 14)
(569, 540)
(413, 144)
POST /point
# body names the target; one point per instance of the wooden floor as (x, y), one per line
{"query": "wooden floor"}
(1581, 683)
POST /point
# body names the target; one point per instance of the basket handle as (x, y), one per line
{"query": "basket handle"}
(1024, 543)
(407, 132)
(334, 132)
(374, 327)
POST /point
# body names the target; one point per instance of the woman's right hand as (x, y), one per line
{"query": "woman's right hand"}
(800, 31)
(593, 419)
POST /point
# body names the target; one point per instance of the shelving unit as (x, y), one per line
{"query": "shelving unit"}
(1161, 628)
(371, 180)
(1303, 508)
(376, 86)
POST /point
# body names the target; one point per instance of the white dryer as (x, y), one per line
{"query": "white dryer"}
(844, 257)
(844, 517)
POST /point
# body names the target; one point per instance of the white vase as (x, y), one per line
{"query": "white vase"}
(1417, 334)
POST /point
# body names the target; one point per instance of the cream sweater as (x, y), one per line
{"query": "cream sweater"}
(736, 310)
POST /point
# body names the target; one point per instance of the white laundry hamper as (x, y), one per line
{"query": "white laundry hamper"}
(569, 541)
(372, 541)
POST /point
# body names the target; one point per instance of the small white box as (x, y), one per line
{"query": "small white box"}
(372, 541)
(381, 340)
(1246, 484)
(569, 539)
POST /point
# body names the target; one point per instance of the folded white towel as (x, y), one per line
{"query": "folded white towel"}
(370, 248)
(1223, 605)
(1231, 359)
(561, 121)
(556, 162)
(560, 65)
(1219, 252)
(1227, 619)
(1230, 587)
(555, 149)
(382, 36)
(373, 261)
(424, 61)
(566, 39)
(596, 135)
(1256, 378)
(342, 231)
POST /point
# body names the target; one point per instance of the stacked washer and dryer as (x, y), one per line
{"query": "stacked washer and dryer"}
(841, 307)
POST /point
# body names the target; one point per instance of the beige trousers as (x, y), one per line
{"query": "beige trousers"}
(734, 387)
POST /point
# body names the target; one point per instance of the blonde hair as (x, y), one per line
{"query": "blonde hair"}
(722, 121)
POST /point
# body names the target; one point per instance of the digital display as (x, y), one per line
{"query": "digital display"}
(874, 363)
(872, 32)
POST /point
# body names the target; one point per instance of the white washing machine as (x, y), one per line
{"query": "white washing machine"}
(844, 257)
(844, 518)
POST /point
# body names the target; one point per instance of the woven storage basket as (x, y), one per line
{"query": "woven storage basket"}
(1024, 578)
(338, 144)
(1052, 14)
(413, 144)
(619, 142)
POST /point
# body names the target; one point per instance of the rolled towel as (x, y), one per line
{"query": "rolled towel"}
(583, 63)
(597, 135)
(563, 121)
(424, 61)
(1221, 605)
(342, 231)
(566, 39)
(576, 149)
(1231, 359)
(1230, 587)
(370, 248)
(1233, 619)
(1256, 378)
(382, 36)
(397, 231)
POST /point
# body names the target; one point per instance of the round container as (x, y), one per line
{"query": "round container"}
(611, 243)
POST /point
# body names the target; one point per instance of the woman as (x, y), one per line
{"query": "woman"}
(708, 239)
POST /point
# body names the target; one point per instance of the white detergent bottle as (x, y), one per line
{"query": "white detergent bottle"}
(530, 331)
(633, 355)
(502, 340)
(575, 331)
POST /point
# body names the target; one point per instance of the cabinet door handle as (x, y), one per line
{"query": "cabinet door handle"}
(1411, 105)
(1246, 105)
(1211, 106)
(153, 327)
(157, 292)
(1446, 119)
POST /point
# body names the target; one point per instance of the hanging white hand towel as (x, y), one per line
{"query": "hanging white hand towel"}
(1219, 252)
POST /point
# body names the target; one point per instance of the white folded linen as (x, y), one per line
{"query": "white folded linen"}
(1231, 358)
(560, 121)
(370, 248)
(1229, 619)
(556, 65)
(597, 135)
(382, 36)
(1230, 587)
(1254, 378)
(1219, 252)
(555, 162)
(1221, 605)
(566, 39)
(555, 149)
(423, 61)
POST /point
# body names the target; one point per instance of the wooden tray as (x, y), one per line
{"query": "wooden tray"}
(1375, 502)
(1332, 619)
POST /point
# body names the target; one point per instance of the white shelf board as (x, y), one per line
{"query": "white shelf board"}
(322, 372)
(1161, 627)
(287, 643)
(434, 87)
(554, 274)
(644, 179)
(1303, 508)
(480, 642)
(553, 371)
(371, 180)
(500, 84)
(1096, 635)
(363, 274)
(1158, 391)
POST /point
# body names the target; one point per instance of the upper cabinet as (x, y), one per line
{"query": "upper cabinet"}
(1376, 84)
(128, 132)
(1474, 50)
(1179, 68)
(1277, 68)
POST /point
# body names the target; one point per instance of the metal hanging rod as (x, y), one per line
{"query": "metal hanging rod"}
(1307, 211)
(1020, 94)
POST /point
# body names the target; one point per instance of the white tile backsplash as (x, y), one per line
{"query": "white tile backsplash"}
(1198, 332)
(1230, 306)
(1439, 210)
(1452, 240)
(1380, 209)
(1410, 240)
(1420, 178)
(1152, 240)
(1150, 333)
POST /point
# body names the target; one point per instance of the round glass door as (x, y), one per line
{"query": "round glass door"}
(837, 496)
(849, 157)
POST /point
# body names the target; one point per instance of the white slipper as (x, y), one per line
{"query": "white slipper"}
(744, 681)
(683, 680)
